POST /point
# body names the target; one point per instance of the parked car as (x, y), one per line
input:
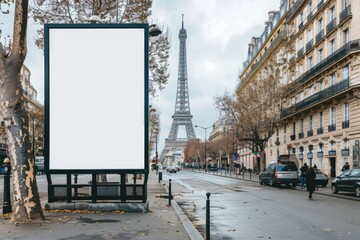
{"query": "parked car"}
(282, 171)
(212, 168)
(321, 178)
(348, 181)
(171, 169)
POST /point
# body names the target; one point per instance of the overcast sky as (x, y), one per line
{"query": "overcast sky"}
(218, 35)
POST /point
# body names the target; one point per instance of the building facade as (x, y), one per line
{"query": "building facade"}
(319, 119)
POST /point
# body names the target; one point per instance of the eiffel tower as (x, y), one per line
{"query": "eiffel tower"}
(182, 115)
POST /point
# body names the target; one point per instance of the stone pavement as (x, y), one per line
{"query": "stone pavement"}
(161, 222)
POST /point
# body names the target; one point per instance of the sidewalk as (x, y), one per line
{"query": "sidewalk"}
(162, 222)
(255, 178)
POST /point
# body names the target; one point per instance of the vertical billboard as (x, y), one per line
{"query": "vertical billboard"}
(96, 96)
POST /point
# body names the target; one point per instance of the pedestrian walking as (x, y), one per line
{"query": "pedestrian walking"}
(346, 167)
(303, 171)
(310, 181)
(315, 167)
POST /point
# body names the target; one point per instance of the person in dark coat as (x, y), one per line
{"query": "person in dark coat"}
(310, 181)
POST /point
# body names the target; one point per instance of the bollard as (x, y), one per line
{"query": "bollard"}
(208, 216)
(160, 176)
(250, 175)
(169, 192)
(7, 201)
(75, 182)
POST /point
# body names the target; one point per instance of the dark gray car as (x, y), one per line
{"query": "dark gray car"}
(348, 181)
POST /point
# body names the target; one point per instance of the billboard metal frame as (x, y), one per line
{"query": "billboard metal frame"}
(140, 190)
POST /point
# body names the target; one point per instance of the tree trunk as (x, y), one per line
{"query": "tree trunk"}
(26, 200)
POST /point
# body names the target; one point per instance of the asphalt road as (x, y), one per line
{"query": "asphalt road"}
(246, 210)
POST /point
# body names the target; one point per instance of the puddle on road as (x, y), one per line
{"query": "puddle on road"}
(90, 220)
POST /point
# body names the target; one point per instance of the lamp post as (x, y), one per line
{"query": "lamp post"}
(156, 153)
(205, 160)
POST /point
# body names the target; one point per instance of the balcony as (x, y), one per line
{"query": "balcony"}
(336, 56)
(319, 37)
(320, 130)
(316, 98)
(320, 4)
(292, 137)
(331, 26)
(309, 16)
(301, 135)
(310, 133)
(300, 53)
(309, 45)
(332, 127)
(293, 9)
(345, 124)
(345, 14)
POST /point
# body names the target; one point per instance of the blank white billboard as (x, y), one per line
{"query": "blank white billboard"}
(97, 97)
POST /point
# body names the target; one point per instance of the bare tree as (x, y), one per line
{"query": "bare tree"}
(254, 107)
(110, 11)
(26, 204)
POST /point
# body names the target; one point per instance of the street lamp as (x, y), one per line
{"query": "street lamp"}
(205, 128)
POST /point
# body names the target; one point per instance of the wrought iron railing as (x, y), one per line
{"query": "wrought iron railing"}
(320, 4)
(319, 37)
(345, 14)
(316, 98)
(293, 8)
(320, 130)
(309, 45)
(345, 124)
(301, 135)
(300, 53)
(330, 60)
(332, 127)
(310, 133)
(331, 26)
(292, 137)
(301, 25)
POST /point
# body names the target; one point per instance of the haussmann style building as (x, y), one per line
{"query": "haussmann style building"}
(316, 47)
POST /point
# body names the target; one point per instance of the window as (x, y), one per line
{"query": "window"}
(300, 43)
(309, 35)
(309, 7)
(321, 120)
(284, 134)
(320, 55)
(345, 71)
(320, 24)
(332, 79)
(311, 122)
(345, 4)
(345, 34)
(331, 13)
(301, 69)
(301, 18)
(310, 63)
(321, 85)
(331, 46)
(302, 126)
(293, 100)
(332, 118)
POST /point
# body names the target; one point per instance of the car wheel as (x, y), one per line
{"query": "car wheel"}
(334, 189)
(272, 183)
(357, 191)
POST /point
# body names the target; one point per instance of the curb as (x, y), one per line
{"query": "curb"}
(190, 228)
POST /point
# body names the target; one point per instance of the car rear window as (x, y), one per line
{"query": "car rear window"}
(286, 166)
